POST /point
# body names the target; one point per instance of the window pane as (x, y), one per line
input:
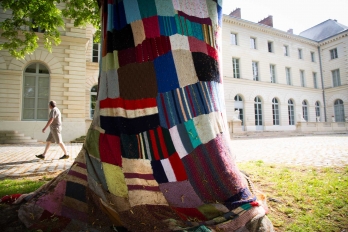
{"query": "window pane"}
(42, 103)
(28, 114)
(43, 92)
(30, 81)
(29, 103)
(43, 69)
(29, 92)
(31, 69)
(42, 114)
(44, 82)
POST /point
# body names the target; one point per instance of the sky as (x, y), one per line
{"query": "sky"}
(296, 14)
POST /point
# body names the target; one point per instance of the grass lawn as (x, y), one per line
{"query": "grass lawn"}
(303, 198)
(27, 185)
(299, 198)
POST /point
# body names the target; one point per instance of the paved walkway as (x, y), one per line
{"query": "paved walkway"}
(329, 150)
(19, 159)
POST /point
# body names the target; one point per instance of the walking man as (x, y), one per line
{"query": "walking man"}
(55, 136)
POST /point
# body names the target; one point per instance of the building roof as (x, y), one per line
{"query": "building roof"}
(324, 30)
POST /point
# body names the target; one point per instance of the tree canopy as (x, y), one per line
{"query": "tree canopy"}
(28, 16)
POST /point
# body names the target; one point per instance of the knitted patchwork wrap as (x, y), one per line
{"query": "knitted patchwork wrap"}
(157, 155)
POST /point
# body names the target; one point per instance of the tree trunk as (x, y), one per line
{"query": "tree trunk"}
(157, 155)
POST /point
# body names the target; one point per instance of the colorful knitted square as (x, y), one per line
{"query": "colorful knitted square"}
(110, 149)
(115, 180)
(181, 194)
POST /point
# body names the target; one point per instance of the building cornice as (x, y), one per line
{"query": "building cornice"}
(248, 82)
(267, 29)
(334, 38)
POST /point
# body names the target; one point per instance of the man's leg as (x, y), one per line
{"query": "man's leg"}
(48, 144)
(62, 145)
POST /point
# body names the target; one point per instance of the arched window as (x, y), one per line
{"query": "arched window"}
(305, 110)
(238, 105)
(36, 92)
(317, 110)
(275, 111)
(339, 110)
(258, 113)
(291, 112)
(94, 90)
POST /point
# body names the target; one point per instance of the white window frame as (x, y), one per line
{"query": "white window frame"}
(286, 50)
(300, 55)
(255, 68)
(36, 97)
(270, 46)
(302, 78)
(253, 43)
(288, 76)
(291, 112)
(258, 110)
(305, 110)
(336, 79)
(313, 56)
(339, 110)
(275, 112)
(333, 53)
(315, 80)
(239, 106)
(98, 52)
(272, 68)
(234, 38)
(92, 93)
(236, 67)
(317, 109)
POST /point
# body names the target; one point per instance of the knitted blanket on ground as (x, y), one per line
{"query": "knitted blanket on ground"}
(157, 155)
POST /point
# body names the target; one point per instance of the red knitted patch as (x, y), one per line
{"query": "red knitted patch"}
(212, 52)
(126, 56)
(110, 149)
(151, 27)
(178, 167)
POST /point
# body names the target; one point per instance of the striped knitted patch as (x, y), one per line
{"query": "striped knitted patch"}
(153, 145)
(181, 140)
(128, 108)
(206, 166)
(174, 168)
(180, 105)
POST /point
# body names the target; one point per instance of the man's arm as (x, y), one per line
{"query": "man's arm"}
(48, 124)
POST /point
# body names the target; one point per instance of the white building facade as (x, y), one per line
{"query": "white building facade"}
(272, 77)
(277, 79)
(67, 75)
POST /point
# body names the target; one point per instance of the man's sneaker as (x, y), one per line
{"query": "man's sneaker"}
(40, 156)
(64, 157)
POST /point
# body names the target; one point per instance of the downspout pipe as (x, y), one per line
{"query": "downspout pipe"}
(322, 82)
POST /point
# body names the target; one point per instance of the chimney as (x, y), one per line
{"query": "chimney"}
(267, 21)
(290, 31)
(236, 13)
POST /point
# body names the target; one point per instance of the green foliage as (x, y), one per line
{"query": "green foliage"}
(30, 15)
(309, 199)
